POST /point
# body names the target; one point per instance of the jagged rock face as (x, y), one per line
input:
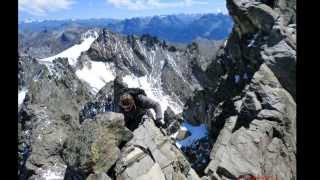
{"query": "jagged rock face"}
(147, 56)
(53, 143)
(41, 138)
(172, 121)
(250, 106)
(150, 154)
(47, 116)
(259, 139)
(28, 68)
(48, 42)
(103, 102)
(59, 89)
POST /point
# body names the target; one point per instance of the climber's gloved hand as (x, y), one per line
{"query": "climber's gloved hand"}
(159, 122)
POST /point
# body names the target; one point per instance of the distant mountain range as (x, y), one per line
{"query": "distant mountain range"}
(182, 28)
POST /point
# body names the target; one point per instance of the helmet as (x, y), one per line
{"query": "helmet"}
(127, 102)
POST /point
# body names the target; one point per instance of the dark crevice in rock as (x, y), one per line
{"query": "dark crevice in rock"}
(224, 172)
(246, 177)
(228, 110)
(73, 175)
(270, 3)
(112, 172)
(198, 155)
(277, 134)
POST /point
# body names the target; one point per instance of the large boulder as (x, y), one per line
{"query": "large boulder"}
(152, 155)
(260, 140)
(41, 138)
(95, 147)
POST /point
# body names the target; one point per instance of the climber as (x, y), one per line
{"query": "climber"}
(135, 106)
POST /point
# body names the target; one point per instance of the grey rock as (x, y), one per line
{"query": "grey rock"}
(172, 121)
(59, 89)
(28, 70)
(288, 11)
(182, 134)
(101, 176)
(102, 102)
(258, 147)
(252, 120)
(146, 55)
(281, 58)
(156, 153)
(94, 148)
(42, 137)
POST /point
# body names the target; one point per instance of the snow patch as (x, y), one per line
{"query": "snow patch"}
(197, 132)
(54, 173)
(74, 52)
(96, 74)
(225, 43)
(21, 96)
(253, 40)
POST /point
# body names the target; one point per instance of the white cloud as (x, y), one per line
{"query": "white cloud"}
(152, 4)
(41, 7)
(223, 11)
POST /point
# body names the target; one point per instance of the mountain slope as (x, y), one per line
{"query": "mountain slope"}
(63, 93)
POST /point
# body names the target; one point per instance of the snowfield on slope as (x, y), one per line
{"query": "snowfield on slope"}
(74, 52)
(21, 96)
(97, 74)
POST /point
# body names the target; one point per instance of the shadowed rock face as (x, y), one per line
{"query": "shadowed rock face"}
(250, 106)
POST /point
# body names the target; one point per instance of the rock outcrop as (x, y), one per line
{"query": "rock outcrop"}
(152, 155)
(67, 133)
(47, 116)
(149, 57)
(250, 106)
(94, 148)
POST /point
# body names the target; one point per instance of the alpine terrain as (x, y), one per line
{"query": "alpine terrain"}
(229, 105)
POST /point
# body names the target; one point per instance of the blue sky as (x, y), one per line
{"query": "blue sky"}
(118, 9)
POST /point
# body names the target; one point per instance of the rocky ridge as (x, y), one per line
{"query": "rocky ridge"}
(66, 129)
(245, 95)
(250, 107)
